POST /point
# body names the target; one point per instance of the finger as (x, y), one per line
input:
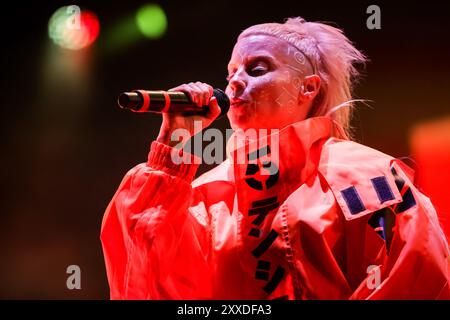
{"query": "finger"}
(206, 92)
(198, 91)
(186, 89)
(214, 109)
(209, 91)
(179, 88)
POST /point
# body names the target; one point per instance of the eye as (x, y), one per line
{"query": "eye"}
(258, 68)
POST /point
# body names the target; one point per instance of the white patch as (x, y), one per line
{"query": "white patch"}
(219, 208)
(199, 213)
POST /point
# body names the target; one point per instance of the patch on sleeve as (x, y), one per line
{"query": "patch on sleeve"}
(407, 203)
(383, 189)
(407, 196)
(360, 178)
(353, 200)
(368, 195)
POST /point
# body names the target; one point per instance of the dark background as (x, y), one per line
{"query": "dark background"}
(66, 145)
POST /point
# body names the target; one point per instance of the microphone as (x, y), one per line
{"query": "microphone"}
(169, 102)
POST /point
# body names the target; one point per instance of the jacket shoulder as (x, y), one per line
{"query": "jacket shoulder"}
(362, 179)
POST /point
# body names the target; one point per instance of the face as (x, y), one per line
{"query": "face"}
(265, 75)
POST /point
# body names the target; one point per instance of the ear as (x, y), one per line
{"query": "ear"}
(309, 88)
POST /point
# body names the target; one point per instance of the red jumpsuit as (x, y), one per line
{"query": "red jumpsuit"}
(315, 218)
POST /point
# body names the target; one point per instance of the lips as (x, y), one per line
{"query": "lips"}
(235, 102)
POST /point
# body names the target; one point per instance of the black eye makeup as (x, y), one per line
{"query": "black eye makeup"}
(257, 71)
(258, 68)
(255, 67)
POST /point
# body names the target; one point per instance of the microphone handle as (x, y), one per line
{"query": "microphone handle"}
(161, 102)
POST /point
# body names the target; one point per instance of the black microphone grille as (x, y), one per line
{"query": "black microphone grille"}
(223, 101)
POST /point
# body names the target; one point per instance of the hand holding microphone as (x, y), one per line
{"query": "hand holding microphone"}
(180, 107)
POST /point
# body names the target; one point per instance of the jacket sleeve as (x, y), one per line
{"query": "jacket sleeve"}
(414, 260)
(153, 247)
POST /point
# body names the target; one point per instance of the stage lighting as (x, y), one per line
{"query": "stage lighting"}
(151, 21)
(72, 28)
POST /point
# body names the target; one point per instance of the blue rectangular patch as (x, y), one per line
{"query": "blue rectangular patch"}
(408, 202)
(382, 188)
(399, 182)
(353, 200)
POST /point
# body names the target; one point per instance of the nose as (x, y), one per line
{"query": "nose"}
(237, 84)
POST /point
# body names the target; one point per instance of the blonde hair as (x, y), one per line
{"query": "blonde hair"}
(332, 57)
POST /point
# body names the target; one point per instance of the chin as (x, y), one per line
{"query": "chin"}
(238, 123)
(244, 123)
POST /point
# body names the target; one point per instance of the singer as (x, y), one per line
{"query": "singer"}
(314, 216)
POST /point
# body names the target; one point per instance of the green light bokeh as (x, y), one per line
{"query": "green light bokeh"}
(72, 28)
(57, 25)
(151, 21)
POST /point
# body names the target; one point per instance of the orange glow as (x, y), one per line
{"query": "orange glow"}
(430, 144)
